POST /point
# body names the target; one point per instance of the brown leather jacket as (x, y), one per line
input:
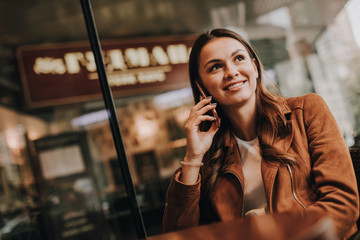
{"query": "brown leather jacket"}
(324, 180)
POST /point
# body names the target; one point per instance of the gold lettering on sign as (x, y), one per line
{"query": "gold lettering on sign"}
(116, 80)
(177, 53)
(137, 57)
(90, 62)
(134, 76)
(124, 67)
(116, 60)
(49, 65)
(151, 76)
(160, 55)
(72, 62)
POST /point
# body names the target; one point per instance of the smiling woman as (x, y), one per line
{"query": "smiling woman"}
(270, 154)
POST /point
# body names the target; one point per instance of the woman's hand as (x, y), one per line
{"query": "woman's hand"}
(198, 142)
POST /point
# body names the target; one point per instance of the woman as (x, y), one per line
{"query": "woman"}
(270, 154)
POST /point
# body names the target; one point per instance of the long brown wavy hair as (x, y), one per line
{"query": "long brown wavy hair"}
(270, 121)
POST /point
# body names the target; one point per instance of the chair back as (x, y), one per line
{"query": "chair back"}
(355, 157)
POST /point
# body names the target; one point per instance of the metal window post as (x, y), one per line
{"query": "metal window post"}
(114, 124)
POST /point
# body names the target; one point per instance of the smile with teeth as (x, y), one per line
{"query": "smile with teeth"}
(235, 85)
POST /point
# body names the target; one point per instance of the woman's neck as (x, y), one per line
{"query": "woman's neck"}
(243, 120)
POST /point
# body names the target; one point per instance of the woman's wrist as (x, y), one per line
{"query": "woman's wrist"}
(190, 170)
(193, 164)
(193, 160)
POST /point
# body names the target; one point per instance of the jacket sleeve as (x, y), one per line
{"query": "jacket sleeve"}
(333, 172)
(182, 204)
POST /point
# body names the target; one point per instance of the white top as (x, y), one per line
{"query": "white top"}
(254, 194)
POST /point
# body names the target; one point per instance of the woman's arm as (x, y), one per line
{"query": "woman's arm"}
(198, 142)
(333, 171)
(182, 202)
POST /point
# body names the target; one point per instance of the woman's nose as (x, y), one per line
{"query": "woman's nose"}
(231, 72)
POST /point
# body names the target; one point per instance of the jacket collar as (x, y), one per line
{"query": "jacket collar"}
(284, 143)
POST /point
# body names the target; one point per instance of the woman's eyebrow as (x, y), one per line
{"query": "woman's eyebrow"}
(218, 60)
(236, 51)
(211, 61)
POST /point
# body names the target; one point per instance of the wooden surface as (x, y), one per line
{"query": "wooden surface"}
(283, 226)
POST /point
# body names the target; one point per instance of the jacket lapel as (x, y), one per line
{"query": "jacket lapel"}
(227, 197)
(269, 169)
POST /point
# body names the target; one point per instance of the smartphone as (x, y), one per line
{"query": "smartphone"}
(214, 113)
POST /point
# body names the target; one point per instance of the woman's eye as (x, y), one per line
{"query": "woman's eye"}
(239, 58)
(214, 67)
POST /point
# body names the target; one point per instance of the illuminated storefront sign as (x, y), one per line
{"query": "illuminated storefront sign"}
(66, 73)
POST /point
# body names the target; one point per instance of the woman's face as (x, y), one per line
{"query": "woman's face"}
(228, 72)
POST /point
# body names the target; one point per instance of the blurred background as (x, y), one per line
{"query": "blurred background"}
(59, 173)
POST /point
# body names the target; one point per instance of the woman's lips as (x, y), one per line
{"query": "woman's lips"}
(234, 85)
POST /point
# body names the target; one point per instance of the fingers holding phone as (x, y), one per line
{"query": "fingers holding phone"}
(198, 142)
(202, 112)
(213, 111)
